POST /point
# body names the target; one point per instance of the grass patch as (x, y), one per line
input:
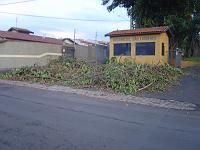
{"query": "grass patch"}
(194, 59)
(127, 77)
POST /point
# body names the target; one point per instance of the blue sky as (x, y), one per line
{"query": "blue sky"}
(77, 9)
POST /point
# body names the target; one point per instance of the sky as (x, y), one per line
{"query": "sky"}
(68, 9)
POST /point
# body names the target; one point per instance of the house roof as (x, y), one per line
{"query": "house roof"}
(20, 30)
(27, 37)
(90, 42)
(139, 31)
(85, 42)
(69, 41)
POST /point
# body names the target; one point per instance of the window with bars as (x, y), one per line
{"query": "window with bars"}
(146, 48)
(122, 49)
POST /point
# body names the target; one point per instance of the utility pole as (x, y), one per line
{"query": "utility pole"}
(74, 37)
(95, 38)
(16, 21)
(96, 46)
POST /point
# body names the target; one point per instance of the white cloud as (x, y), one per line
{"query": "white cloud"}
(84, 9)
(61, 34)
(62, 8)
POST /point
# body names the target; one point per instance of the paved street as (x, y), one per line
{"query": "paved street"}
(186, 91)
(33, 119)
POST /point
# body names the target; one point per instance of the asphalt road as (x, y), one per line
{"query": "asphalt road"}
(188, 90)
(32, 119)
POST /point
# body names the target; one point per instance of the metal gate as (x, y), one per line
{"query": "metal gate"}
(68, 52)
(175, 57)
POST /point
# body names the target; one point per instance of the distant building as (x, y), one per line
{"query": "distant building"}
(87, 50)
(68, 41)
(91, 42)
(84, 42)
(20, 30)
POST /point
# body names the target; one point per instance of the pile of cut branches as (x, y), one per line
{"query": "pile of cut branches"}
(126, 77)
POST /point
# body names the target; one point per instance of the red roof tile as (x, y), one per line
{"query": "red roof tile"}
(139, 31)
(27, 37)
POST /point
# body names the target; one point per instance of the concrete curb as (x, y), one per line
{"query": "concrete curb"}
(170, 104)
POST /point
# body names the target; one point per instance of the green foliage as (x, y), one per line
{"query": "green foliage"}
(195, 59)
(126, 77)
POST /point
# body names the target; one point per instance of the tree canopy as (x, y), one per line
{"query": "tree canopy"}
(183, 16)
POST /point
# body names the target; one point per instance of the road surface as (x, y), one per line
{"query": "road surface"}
(33, 119)
(186, 91)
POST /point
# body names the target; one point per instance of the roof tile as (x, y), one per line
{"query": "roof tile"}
(27, 37)
(139, 31)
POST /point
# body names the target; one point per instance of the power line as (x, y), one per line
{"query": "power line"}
(125, 19)
(61, 18)
(18, 2)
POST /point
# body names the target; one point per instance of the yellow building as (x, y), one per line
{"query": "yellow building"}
(143, 45)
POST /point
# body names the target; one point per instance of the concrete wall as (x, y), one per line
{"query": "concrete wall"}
(81, 52)
(15, 54)
(91, 54)
(101, 54)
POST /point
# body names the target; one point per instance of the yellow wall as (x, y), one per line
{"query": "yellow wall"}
(151, 59)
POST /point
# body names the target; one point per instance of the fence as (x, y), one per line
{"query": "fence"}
(91, 54)
(16, 54)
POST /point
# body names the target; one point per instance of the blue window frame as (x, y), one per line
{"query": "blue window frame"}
(147, 48)
(122, 49)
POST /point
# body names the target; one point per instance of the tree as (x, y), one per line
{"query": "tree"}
(191, 41)
(176, 14)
